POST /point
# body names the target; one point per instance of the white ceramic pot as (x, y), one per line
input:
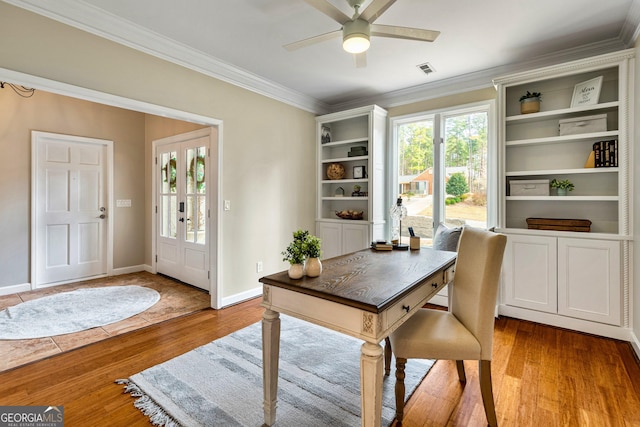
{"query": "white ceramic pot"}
(296, 271)
(313, 267)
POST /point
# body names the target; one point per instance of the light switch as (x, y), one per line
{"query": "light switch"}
(227, 205)
(126, 203)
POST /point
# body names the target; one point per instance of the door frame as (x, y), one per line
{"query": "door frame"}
(104, 98)
(214, 200)
(35, 137)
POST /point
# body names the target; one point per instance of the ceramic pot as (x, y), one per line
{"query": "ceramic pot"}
(296, 271)
(313, 267)
(530, 105)
(561, 191)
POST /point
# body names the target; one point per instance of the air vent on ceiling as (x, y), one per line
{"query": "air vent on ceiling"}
(426, 68)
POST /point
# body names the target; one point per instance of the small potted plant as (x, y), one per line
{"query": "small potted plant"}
(562, 186)
(295, 254)
(530, 102)
(313, 266)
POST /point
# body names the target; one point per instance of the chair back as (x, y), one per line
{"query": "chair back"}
(475, 285)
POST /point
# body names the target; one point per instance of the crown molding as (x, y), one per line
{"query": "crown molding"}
(98, 22)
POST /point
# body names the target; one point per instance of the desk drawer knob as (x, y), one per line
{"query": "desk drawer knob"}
(435, 285)
(406, 308)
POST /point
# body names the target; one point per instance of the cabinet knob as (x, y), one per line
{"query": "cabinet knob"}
(406, 308)
(435, 285)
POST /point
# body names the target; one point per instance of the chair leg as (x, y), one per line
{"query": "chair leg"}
(400, 364)
(461, 374)
(487, 392)
(387, 356)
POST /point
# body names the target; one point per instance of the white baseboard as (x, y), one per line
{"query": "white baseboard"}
(131, 269)
(242, 296)
(635, 343)
(14, 289)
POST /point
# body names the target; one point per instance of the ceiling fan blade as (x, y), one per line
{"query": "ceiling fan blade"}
(312, 40)
(330, 10)
(404, 33)
(361, 59)
(375, 9)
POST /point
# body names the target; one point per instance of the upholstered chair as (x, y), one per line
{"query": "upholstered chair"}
(465, 332)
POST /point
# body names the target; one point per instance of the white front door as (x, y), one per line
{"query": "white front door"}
(182, 181)
(69, 208)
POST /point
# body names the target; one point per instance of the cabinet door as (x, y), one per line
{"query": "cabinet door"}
(530, 272)
(355, 237)
(330, 234)
(589, 279)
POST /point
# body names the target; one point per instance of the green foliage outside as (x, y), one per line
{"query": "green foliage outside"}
(457, 185)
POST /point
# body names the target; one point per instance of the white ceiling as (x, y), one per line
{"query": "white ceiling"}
(241, 41)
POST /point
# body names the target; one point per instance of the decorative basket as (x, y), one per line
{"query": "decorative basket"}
(335, 171)
(349, 214)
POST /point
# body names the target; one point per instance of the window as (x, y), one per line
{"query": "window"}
(450, 181)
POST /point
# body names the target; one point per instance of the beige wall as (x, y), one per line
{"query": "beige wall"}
(445, 102)
(268, 153)
(59, 114)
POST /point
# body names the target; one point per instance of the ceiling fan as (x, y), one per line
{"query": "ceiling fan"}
(357, 30)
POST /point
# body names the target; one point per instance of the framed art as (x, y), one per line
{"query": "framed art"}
(325, 134)
(359, 172)
(587, 93)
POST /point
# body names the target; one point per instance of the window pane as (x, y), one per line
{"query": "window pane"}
(466, 170)
(168, 213)
(168, 170)
(415, 177)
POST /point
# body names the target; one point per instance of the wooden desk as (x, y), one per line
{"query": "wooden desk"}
(366, 294)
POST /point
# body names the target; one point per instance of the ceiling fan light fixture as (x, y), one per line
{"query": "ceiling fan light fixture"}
(355, 36)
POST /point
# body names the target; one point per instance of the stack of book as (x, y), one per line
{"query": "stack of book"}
(606, 154)
(381, 245)
(357, 151)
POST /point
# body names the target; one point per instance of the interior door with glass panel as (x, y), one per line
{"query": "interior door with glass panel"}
(183, 210)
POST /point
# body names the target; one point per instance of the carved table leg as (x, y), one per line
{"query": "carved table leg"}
(270, 358)
(371, 366)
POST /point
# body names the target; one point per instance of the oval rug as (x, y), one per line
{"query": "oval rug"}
(74, 311)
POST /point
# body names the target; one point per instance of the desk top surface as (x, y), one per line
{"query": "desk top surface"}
(368, 279)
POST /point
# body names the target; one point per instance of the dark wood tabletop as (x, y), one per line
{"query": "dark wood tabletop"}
(369, 280)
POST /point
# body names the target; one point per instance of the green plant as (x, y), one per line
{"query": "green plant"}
(457, 185)
(312, 247)
(531, 95)
(303, 246)
(565, 184)
(356, 188)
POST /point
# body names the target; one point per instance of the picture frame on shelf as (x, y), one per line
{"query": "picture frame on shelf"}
(587, 93)
(325, 134)
(359, 172)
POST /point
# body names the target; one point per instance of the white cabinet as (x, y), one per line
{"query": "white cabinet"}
(338, 239)
(589, 280)
(555, 276)
(578, 278)
(351, 141)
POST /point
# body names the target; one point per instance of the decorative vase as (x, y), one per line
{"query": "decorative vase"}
(296, 271)
(561, 191)
(313, 267)
(530, 105)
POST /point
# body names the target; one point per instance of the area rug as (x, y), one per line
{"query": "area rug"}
(74, 311)
(220, 383)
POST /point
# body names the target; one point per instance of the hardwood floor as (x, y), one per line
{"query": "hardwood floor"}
(542, 376)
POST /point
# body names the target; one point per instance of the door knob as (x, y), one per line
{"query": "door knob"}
(181, 220)
(102, 216)
(102, 209)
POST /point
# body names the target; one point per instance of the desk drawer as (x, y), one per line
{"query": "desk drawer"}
(414, 300)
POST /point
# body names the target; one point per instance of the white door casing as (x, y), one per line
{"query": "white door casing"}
(183, 182)
(70, 208)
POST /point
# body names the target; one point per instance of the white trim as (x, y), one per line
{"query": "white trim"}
(109, 171)
(111, 27)
(594, 328)
(128, 270)
(635, 343)
(242, 296)
(14, 289)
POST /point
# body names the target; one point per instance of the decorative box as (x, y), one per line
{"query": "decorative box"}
(586, 124)
(357, 151)
(533, 187)
(559, 224)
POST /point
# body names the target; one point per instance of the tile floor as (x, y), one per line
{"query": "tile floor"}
(176, 299)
